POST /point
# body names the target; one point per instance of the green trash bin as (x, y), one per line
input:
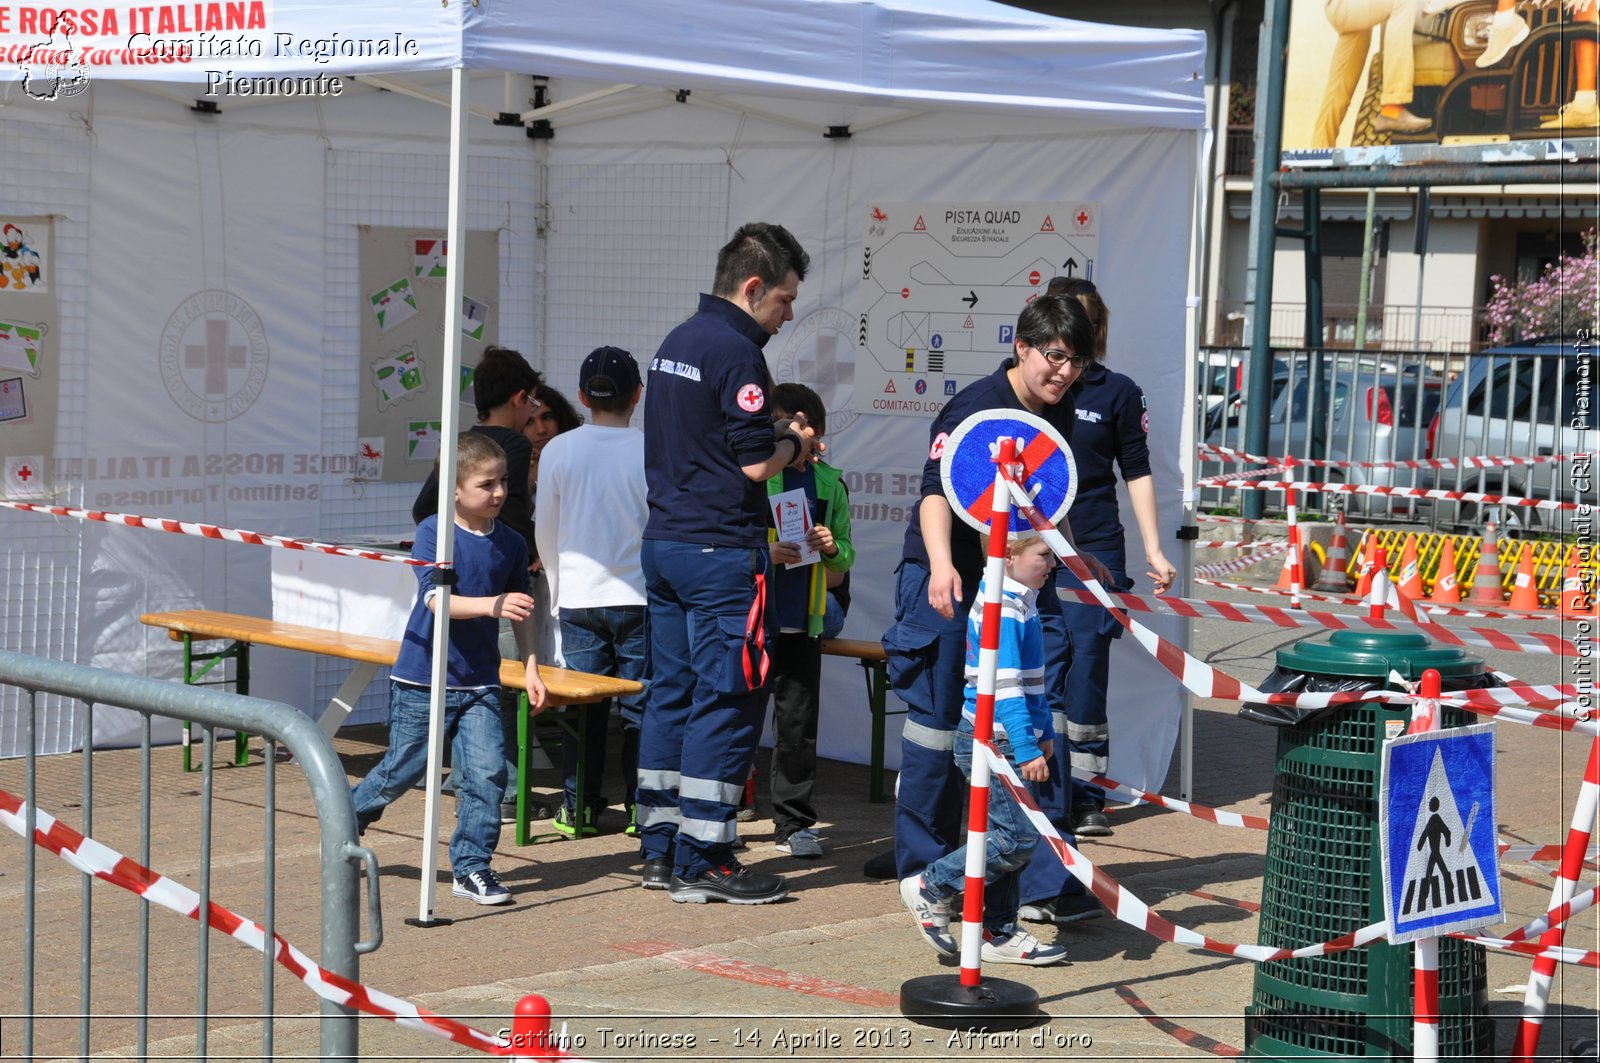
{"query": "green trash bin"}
(1324, 865)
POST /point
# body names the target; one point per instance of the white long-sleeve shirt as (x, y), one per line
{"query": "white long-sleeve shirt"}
(589, 516)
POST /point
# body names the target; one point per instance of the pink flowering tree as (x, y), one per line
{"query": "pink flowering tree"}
(1564, 299)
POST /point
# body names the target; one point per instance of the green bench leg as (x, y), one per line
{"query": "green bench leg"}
(877, 675)
(239, 651)
(524, 731)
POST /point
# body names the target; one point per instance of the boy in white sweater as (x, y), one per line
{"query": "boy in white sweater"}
(588, 522)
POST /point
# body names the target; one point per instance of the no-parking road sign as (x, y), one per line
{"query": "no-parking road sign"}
(967, 465)
(1441, 870)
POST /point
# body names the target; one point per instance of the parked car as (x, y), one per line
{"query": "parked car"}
(1523, 400)
(1372, 411)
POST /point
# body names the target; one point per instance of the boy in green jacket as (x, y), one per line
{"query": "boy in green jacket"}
(800, 599)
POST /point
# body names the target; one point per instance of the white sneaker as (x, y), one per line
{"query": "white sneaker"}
(933, 917)
(1019, 946)
(1506, 30)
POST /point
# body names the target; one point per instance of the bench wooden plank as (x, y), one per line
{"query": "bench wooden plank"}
(565, 687)
(858, 648)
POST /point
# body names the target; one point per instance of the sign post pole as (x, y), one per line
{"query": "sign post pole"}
(1425, 952)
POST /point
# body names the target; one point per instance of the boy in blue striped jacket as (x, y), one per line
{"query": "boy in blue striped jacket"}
(1024, 736)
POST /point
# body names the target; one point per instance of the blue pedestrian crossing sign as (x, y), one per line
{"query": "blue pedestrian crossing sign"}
(1441, 866)
(966, 466)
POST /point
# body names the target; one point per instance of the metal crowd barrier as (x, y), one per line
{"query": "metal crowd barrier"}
(103, 959)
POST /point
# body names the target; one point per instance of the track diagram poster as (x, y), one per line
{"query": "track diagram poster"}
(941, 287)
(402, 342)
(30, 356)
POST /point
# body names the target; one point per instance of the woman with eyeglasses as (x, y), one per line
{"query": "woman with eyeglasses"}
(1110, 433)
(936, 584)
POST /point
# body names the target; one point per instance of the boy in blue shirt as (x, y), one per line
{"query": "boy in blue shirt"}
(1024, 736)
(491, 566)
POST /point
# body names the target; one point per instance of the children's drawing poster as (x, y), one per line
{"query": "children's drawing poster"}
(30, 365)
(402, 340)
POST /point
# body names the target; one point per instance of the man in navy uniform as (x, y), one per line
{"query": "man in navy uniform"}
(710, 445)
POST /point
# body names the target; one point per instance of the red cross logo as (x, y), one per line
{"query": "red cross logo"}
(751, 398)
(936, 451)
(24, 474)
(1083, 217)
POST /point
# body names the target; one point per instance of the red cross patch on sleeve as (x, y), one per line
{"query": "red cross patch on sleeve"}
(751, 398)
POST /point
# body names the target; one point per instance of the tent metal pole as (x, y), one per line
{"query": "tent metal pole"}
(710, 100)
(405, 88)
(536, 114)
(449, 375)
(1186, 444)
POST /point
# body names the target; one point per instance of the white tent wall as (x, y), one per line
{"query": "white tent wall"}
(663, 233)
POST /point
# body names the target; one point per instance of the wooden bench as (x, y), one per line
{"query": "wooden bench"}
(566, 688)
(875, 664)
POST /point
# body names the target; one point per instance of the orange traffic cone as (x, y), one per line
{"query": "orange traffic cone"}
(1410, 581)
(1486, 577)
(1334, 575)
(1575, 597)
(1369, 565)
(1525, 592)
(1445, 591)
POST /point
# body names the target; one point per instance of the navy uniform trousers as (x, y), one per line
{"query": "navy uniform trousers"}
(706, 700)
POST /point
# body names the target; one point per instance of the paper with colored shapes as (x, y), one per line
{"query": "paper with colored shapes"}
(369, 458)
(397, 376)
(422, 441)
(19, 347)
(22, 264)
(791, 515)
(428, 258)
(474, 316)
(393, 304)
(13, 404)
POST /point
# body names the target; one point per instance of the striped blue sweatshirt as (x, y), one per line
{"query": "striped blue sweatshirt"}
(1020, 713)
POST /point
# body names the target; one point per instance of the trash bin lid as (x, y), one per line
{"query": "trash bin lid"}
(1373, 654)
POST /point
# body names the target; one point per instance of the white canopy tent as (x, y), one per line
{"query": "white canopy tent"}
(712, 112)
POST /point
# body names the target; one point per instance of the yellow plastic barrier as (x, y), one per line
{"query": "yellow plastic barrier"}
(1550, 558)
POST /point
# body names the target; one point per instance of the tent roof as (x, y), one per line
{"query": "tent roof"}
(932, 55)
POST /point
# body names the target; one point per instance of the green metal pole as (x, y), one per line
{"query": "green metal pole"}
(1366, 270)
(1269, 142)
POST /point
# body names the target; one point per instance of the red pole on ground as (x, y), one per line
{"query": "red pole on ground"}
(994, 574)
(530, 1029)
(1378, 596)
(1425, 952)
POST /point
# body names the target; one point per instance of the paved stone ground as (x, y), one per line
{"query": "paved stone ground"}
(636, 975)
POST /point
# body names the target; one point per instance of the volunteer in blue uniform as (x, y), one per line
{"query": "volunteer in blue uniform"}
(710, 445)
(939, 572)
(1110, 432)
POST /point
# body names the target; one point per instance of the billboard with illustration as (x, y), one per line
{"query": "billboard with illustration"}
(1397, 81)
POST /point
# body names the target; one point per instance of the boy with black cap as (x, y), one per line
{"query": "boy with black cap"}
(589, 520)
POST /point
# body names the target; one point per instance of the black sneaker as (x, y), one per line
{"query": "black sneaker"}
(657, 873)
(482, 887)
(731, 882)
(1091, 823)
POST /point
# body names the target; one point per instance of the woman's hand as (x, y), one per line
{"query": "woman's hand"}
(1161, 571)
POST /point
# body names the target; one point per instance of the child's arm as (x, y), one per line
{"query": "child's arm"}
(833, 538)
(1038, 769)
(524, 632)
(511, 605)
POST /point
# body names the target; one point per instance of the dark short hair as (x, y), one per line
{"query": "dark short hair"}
(1083, 290)
(759, 249)
(474, 450)
(1053, 317)
(567, 415)
(500, 374)
(797, 398)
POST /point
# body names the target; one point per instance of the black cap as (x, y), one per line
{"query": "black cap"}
(608, 372)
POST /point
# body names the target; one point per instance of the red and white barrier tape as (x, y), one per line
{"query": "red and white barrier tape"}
(1208, 518)
(1382, 491)
(1219, 816)
(1239, 544)
(1355, 601)
(100, 861)
(1212, 452)
(1527, 854)
(211, 531)
(1196, 676)
(1239, 564)
(1128, 908)
(1198, 609)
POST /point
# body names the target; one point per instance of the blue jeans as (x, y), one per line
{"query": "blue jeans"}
(614, 641)
(1008, 846)
(477, 764)
(702, 718)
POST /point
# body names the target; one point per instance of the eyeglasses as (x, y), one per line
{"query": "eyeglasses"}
(1061, 358)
